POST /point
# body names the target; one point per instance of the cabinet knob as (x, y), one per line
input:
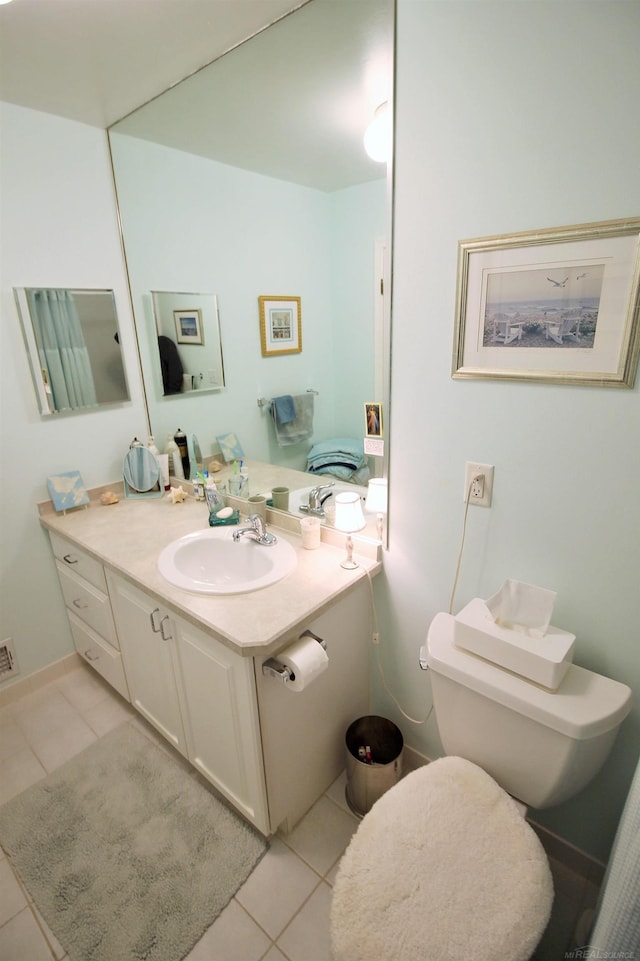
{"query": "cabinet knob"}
(90, 656)
(80, 603)
(70, 559)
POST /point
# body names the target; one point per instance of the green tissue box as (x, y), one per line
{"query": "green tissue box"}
(215, 521)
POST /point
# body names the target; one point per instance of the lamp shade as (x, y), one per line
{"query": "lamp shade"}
(349, 516)
(377, 496)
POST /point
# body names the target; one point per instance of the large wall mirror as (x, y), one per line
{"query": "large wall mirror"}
(250, 179)
(73, 344)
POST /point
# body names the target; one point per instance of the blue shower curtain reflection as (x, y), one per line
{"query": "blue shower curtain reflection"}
(63, 352)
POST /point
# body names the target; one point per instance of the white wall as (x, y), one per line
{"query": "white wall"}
(511, 116)
(59, 229)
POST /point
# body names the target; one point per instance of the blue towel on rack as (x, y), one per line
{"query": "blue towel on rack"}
(284, 408)
(298, 429)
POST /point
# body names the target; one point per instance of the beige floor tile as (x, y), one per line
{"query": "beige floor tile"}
(21, 940)
(12, 738)
(337, 792)
(13, 899)
(307, 938)
(107, 715)
(42, 712)
(322, 835)
(18, 772)
(234, 936)
(278, 886)
(62, 743)
(274, 954)
(83, 688)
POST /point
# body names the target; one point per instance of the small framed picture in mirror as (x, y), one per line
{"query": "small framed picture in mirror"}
(188, 326)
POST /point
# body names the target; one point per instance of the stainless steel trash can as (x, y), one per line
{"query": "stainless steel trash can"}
(374, 761)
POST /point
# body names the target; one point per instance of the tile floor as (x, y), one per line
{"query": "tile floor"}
(282, 911)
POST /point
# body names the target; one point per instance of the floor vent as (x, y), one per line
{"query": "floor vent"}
(8, 661)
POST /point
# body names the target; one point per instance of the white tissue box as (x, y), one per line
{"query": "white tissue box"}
(544, 659)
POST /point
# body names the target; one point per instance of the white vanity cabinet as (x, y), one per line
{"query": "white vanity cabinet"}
(219, 707)
(199, 694)
(148, 650)
(270, 750)
(84, 587)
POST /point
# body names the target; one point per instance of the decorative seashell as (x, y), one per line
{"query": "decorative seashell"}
(177, 495)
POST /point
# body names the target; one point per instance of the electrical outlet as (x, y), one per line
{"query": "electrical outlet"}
(478, 484)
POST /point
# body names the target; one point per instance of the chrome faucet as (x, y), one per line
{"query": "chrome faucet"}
(315, 501)
(257, 530)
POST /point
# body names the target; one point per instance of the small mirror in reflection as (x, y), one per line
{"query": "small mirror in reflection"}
(189, 345)
(73, 344)
(141, 473)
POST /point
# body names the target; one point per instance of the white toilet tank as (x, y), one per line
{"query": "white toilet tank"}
(541, 747)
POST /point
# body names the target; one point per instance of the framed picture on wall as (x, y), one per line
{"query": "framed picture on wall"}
(188, 326)
(280, 325)
(556, 306)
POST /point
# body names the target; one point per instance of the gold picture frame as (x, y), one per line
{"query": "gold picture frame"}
(280, 325)
(559, 305)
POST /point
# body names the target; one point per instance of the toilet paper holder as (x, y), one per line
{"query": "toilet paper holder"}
(273, 668)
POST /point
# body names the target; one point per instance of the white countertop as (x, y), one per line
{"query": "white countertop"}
(127, 537)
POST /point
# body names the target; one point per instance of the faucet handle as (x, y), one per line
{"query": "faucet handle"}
(258, 523)
(314, 495)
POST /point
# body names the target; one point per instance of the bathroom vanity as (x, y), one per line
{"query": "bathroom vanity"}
(192, 664)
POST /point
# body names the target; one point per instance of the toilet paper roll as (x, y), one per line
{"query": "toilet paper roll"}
(306, 660)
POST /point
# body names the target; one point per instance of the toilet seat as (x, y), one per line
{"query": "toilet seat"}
(442, 867)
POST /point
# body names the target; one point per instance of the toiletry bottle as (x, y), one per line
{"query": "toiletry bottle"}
(151, 444)
(198, 487)
(181, 440)
(175, 461)
(244, 474)
(214, 501)
(135, 443)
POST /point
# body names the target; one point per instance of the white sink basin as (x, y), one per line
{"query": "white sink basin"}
(211, 562)
(300, 497)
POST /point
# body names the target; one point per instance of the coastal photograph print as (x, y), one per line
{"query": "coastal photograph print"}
(280, 325)
(188, 326)
(556, 306)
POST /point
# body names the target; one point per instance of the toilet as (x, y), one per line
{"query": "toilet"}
(444, 865)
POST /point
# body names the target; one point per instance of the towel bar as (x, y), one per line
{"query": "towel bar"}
(265, 402)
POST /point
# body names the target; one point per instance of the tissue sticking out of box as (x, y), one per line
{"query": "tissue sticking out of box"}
(522, 607)
(512, 629)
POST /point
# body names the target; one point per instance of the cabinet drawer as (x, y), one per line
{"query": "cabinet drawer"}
(76, 560)
(88, 603)
(102, 657)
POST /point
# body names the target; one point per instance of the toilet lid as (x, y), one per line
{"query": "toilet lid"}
(443, 867)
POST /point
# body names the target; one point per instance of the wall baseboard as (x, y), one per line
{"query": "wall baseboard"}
(32, 682)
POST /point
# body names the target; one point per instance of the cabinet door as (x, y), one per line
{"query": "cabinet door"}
(219, 703)
(145, 631)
